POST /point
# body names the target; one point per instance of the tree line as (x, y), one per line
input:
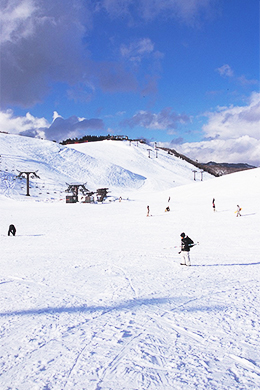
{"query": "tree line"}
(93, 138)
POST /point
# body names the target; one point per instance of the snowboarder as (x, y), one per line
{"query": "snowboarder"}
(148, 211)
(213, 204)
(238, 211)
(186, 244)
(167, 209)
(12, 230)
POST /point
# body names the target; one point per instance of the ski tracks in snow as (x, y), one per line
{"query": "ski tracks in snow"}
(139, 342)
(121, 350)
(145, 350)
(127, 277)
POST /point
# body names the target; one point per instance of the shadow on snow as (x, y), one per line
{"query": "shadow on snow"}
(223, 265)
(106, 309)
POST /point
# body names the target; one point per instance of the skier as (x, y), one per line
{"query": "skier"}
(213, 204)
(12, 230)
(238, 211)
(167, 209)
(148, 211)
(186, 244)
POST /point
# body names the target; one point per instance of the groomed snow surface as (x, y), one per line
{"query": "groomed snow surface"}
(93, 296)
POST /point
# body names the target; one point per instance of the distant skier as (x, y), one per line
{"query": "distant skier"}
(148, 211)
(169, 199)
(12, 230)
(186, 244)
(167, 209)
(238, 211)
(213, 204)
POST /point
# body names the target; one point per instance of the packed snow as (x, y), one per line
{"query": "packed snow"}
(93, 296)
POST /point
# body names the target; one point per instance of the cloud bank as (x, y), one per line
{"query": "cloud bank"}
(232, 135)
(60, 128)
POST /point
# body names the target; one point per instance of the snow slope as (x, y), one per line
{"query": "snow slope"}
(93, 295)
(161, 170)
(111, 164)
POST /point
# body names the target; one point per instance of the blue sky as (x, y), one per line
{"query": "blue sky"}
(183, 73)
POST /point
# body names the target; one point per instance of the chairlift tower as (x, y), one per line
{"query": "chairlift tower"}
(149, 152)
(194, 174)
(26, 175)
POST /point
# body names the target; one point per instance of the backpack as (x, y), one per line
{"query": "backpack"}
(190, 242)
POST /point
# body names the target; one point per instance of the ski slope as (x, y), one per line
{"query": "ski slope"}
(93, 295)
(158, 169)
(112, 164)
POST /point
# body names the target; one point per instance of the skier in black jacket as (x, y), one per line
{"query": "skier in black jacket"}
(186, 244)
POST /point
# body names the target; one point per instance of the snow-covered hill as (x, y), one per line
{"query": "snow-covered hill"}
(93, 296)
(112, 164)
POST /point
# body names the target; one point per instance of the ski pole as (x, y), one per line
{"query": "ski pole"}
(178, 246)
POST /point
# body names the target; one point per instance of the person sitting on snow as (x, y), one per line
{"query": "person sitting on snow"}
(12, 230)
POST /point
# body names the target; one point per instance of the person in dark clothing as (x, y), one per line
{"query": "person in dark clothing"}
(12, 230)
(186, 244)
(213, 205)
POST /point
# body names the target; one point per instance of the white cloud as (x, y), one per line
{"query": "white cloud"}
(137, 50)
(233, 122)
(55, 115)
(232, 135)
(21, 124)
(16, 20)
(60, 128)
(246, 82)
(164, 120)
(244, 149)
(225, 70)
